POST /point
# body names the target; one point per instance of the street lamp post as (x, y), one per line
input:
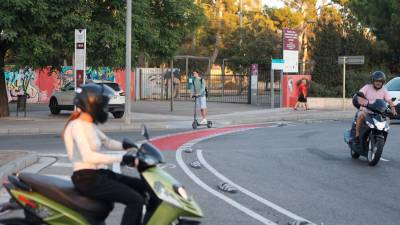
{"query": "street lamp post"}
(128, 61)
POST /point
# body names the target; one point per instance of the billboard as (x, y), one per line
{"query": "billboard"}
(290, 41)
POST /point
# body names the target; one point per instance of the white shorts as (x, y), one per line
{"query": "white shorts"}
(201, 101)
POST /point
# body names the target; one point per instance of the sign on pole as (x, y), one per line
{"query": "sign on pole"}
(290, 41)
(351, 60)
(80, 57)
(277, 64)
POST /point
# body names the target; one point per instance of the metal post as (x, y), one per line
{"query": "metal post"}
(344, 82)
(272, 89)
(280, 90)
(241, 22)
(223, 77)
(128, 61)
(172, 85)
(187, 77)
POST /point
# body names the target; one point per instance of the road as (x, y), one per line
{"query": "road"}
(302, 170)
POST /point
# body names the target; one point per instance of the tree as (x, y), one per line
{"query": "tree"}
(383, 19)
(40, 33)
(258, 46)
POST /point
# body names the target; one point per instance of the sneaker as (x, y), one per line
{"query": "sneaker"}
(203, 121)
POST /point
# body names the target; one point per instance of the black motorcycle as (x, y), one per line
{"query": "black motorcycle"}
(373, 133)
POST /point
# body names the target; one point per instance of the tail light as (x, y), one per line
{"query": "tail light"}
(122, 94)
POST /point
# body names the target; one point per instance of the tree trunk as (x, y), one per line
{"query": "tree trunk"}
(4, 110)
(218, 34)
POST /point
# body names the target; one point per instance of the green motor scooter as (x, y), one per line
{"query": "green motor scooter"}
(54, 201)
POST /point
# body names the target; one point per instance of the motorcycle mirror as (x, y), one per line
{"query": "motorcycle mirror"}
(145, 132)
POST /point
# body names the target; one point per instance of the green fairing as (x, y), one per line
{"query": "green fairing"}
(62, 215)
(167, 212)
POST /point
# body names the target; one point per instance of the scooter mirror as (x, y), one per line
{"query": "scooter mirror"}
(145, 132)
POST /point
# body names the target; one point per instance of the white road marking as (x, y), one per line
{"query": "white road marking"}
(245, 191)
(217, 194)
(53, 155)
(59, 164)
(385, 160)
(116, 167)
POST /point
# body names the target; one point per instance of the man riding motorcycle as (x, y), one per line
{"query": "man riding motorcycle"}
(369, 94)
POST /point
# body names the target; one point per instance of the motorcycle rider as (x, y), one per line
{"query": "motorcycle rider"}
(372, 92)
(83, 141)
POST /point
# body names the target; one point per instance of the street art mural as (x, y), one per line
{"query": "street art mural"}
(39, 85)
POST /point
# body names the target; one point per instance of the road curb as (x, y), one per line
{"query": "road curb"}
(18, 164)
(335, 115)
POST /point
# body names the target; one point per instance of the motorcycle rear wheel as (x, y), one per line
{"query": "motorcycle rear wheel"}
(354, 154)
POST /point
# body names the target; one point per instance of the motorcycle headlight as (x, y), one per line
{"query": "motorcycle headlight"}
(379, 125)
(181, 191)
(369, 124)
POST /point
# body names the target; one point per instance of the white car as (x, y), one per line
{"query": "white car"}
(63, 100)
(393, 86)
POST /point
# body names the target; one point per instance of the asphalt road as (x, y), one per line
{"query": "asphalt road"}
(305, 170)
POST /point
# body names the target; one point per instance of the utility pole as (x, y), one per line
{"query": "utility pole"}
(128, 61)
(241, 22)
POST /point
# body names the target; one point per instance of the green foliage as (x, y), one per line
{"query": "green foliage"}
(383, 19)
(39, 33)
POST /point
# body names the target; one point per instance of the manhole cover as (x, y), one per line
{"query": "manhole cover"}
(195, 164)
(227, 187)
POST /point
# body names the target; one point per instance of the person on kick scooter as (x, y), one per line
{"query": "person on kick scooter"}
(83, 141)
(372, 92)
(198, 90)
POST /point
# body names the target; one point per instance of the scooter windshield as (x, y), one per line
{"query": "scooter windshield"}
(379, 106)
(149, 154)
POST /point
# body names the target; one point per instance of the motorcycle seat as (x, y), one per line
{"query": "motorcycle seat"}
(63, 191)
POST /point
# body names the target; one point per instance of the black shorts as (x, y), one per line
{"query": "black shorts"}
(302, 98)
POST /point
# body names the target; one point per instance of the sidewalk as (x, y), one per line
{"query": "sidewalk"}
(157, 115)
(14, 161)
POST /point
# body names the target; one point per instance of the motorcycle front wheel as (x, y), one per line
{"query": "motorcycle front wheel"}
(375, 149)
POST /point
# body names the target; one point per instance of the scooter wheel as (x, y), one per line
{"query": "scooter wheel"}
(209, 124)
(194, 125)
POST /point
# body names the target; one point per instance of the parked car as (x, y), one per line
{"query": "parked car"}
(63, 99)
(393, 86)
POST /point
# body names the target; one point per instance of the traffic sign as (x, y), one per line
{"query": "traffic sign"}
(351, 60)
(80, 57)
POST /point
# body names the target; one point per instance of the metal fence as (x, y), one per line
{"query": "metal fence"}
(155, 84)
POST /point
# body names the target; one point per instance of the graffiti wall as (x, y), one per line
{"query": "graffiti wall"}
(39, 85)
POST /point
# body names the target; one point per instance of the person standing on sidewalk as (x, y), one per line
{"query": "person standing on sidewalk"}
(303, 92)
(198, 90)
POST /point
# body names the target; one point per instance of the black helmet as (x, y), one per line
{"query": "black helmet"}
(93, 99)
(378, 76)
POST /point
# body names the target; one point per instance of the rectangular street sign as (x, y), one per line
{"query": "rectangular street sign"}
(80, 56)
(290, 39)
(352, 60)
(277, 64)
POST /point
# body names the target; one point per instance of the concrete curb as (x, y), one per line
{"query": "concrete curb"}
(18, 164)
(218, 120)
